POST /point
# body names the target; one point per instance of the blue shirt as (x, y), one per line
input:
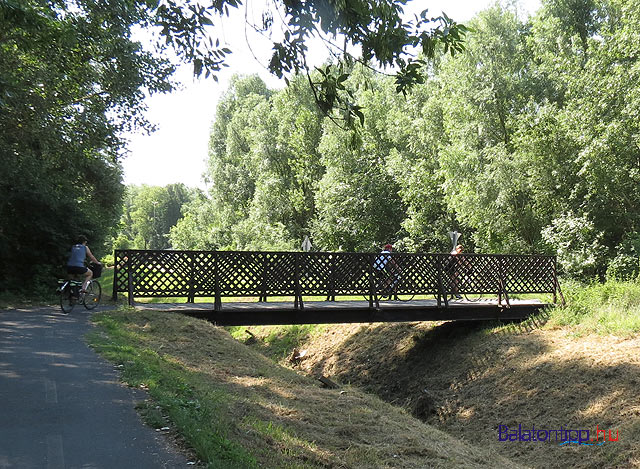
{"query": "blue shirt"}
(78, 255)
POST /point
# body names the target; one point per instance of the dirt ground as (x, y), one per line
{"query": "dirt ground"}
(467, 380)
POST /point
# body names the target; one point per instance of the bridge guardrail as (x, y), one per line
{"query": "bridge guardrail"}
(262, 274)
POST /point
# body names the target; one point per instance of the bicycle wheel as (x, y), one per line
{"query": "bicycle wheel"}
(383, 293)
(67, 302)
(92, 296)
(472, 297)
(383, 296)
(405, 297)
(448, 296)
(383, 286)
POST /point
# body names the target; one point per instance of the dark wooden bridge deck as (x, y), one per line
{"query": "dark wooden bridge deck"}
(324, 312)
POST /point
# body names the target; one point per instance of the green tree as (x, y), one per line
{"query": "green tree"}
(71, 81)
(485, 92)
(592, 126)
(414, 129)
(149, 214)
(358, 206)
(285, 150)
(263, 167)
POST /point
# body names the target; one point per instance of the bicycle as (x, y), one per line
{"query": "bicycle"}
(389, 286)
(71, 294)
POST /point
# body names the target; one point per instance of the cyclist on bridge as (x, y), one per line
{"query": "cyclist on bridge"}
(76, 262)
(385, 263)
(457, 267)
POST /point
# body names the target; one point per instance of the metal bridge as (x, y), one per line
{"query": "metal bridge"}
(302, 287)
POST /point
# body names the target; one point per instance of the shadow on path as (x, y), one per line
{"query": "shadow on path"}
(62, 405)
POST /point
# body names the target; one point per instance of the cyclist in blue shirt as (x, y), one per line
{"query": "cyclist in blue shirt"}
(76, 262)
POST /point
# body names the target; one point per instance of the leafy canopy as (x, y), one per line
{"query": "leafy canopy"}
(377, 29)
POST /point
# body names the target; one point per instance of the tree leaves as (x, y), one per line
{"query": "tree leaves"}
(375, 27)
(71, 82)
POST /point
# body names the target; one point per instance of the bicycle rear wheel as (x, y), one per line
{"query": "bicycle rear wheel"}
(472, 297)
(405, 297)
(383, 287)
(67, 302)
(92, 296)
(383, 293)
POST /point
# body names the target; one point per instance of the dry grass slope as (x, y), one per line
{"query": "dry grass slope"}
(466, 380)
(286, 419)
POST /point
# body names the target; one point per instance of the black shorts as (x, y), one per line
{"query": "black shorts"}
(75, 270)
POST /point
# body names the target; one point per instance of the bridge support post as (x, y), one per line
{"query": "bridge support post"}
(502, 285)
(556, 286)
(129, 279)
(217, 305)
(332, 279)
(116, 262)
(298, 304)
(372, 283)
(441, 292)
(263, 287)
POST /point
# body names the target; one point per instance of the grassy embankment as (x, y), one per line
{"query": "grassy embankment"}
(233, 407)
(601, 308)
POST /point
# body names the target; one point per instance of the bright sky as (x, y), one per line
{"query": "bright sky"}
(177, 151)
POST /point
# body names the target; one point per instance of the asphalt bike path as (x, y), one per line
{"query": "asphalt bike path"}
(62, 405)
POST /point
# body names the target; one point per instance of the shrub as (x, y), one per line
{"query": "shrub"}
(578, 245)
(626, 264)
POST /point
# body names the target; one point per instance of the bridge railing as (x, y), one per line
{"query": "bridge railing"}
(218, 274)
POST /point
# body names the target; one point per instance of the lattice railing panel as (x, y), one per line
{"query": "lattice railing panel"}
(351, 273)
(203, 267)
(160, 273)
(529, 274)
(474, 273)
(262, 274)
(280, 274)
(316, 274)
(240, 273)
(418, 274)
(120, 277)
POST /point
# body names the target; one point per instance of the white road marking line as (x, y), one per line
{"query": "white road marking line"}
(51, 391)
(55, 453)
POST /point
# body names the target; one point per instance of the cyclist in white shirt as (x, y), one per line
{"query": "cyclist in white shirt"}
(385, 263)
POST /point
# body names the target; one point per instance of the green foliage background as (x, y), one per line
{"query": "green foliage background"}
(149, 212)
(71, 82)
(527, 141)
